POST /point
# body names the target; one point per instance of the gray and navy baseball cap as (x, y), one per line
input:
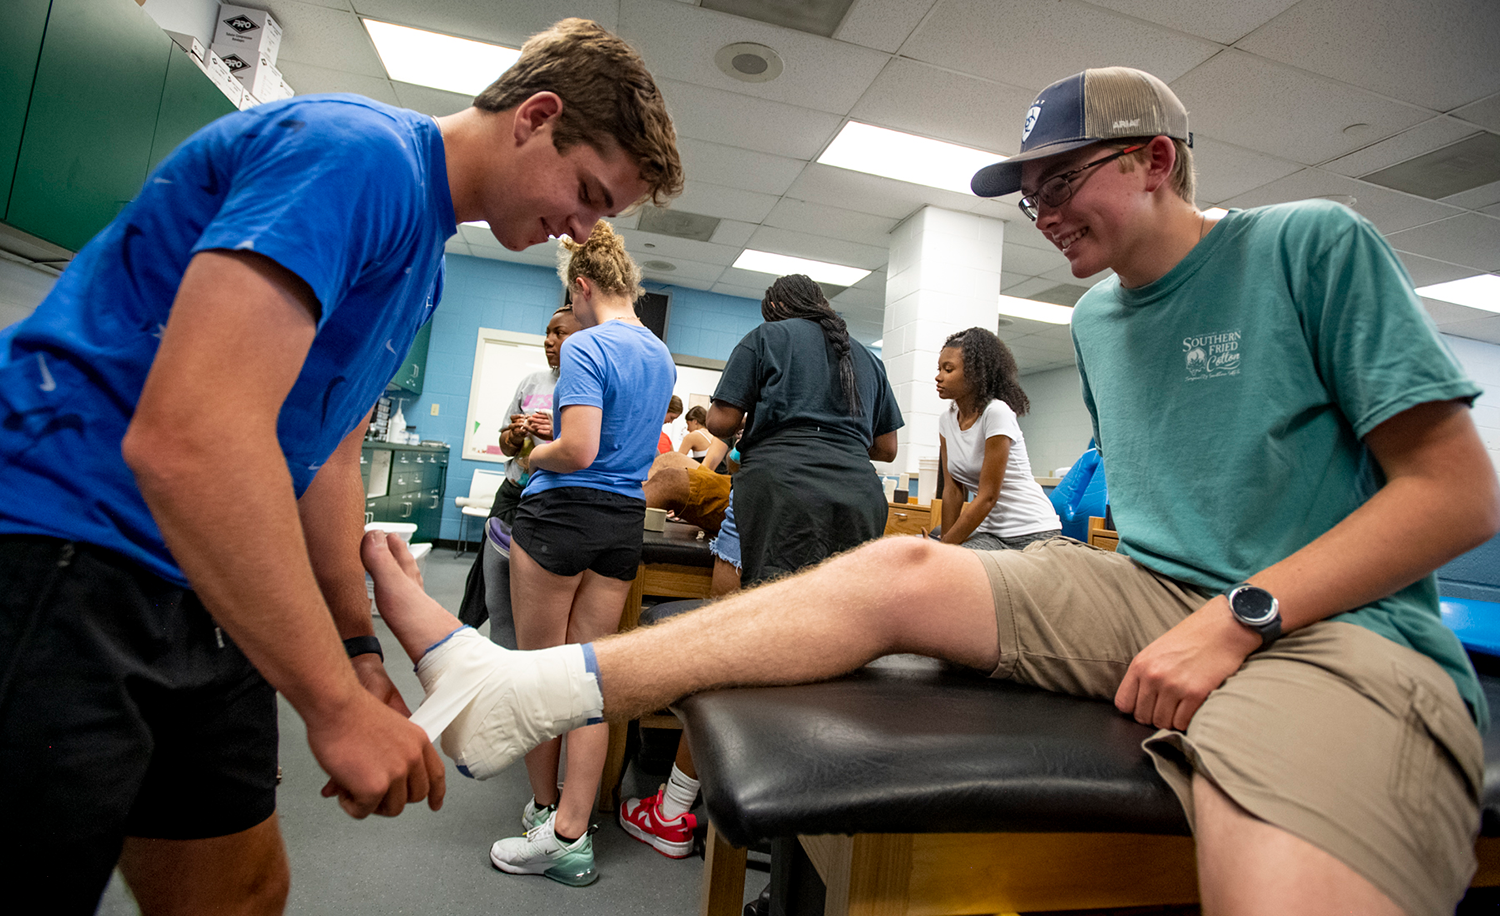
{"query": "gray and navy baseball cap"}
(1103, 104)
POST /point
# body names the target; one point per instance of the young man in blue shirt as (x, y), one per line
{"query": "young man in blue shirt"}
(180, 431)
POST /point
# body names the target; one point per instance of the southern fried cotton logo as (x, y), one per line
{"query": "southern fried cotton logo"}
(1212, 355)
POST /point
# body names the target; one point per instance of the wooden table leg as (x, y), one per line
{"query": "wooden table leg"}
(723, 877)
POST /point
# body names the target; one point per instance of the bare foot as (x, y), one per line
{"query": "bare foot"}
(418, 621)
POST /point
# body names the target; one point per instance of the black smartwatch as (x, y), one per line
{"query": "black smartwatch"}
(360, 645)
(1256, 608)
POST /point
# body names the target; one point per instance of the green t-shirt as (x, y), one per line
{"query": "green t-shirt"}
(1231, 395)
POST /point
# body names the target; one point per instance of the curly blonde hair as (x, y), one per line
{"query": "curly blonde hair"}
(606, 93)
(602, 258)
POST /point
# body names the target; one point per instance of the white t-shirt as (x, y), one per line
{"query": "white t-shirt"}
(1022, 507)
(532, 394)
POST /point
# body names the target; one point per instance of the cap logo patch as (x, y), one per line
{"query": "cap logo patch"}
(1121, 125)
(1031, 116)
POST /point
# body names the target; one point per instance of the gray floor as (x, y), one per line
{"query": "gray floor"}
(437, 863)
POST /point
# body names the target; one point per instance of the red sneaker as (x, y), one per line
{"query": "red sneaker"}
(641, 818)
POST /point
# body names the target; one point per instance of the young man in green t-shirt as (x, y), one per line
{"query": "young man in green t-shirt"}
(1290, 455)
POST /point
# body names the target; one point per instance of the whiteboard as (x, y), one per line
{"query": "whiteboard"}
(503, 358)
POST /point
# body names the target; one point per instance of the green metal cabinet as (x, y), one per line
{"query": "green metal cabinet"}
(189, 101)
(405, 483)
(91, 121)
(22, 23)
(410, 376)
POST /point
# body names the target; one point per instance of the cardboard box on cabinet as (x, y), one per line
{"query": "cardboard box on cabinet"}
(251, 31)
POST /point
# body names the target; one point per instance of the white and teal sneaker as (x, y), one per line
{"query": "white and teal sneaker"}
(532, 815)
(539, 852)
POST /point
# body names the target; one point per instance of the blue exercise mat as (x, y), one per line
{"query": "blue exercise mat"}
(1476, 622)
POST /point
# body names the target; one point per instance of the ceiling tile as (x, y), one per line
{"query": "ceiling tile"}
(733, 119)
(1030, 44)
(818, 248)
(1251, 102)
(1225, 170)
(479, 237)
(1064, 274)
(679, 43)
(1492, 211)
(1029, 287)
(1409, 144)
(307, 79)
(725, 203)
(1438, 55)
(1391, 211)
(733, 232)
(481, 20)
(747, 279)
(853, 297)
(732, 167)
(1476, 198)
(430, 101)
(1446, 313)
(1010, 281)
(882, 24)
(1485, 113)
(1468, 239)
(932, 102)
(683, 269)
(1485, 329)
(669, 248)
(1225, 23)
(825, 184)
(833, 222)
(329, 38)
(456, 245)
(1427, 271)
(1021, 231)
(744, 292)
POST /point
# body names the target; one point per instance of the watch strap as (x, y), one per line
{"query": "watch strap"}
(363, 645)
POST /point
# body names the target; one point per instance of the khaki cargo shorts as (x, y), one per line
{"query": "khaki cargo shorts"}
(1335, 734)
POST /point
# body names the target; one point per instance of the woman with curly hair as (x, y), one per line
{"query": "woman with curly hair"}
(983, 451)
(817, 408)
(576, 543)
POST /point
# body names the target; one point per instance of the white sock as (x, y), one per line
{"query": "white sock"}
(682, 791)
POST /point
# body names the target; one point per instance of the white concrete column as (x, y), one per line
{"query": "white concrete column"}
(943, 276)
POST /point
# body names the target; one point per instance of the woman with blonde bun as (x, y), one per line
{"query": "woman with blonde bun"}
(576, 542)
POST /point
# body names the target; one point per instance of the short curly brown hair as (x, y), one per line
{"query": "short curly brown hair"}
(606, 91)
(603, 259)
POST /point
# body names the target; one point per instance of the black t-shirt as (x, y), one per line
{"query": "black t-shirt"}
(785, 376)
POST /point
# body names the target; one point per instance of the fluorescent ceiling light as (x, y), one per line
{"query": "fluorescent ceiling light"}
(1035, 311)
(779, 265)
(878, 344)
(1215, 212)
(906, 157)
(441, 61)
(1480, 292)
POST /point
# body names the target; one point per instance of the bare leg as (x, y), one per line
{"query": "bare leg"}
(891, 595)
(726, 578)
(1247, 866)
(417, 620)
(596, 613)
(542, 603)
(242, 874)
(668, 488)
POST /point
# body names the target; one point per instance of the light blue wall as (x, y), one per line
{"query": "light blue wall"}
(481, 293)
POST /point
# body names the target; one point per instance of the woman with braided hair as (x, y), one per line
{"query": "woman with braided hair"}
(982, 449)
(816, 408)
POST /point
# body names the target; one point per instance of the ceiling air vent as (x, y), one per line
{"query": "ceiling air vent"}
(662, 266)
(678, 223)
(1457, 167)
(820, 17)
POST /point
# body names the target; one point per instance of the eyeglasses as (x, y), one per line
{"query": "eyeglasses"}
(1056, 190)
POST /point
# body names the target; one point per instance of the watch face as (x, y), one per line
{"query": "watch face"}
(1252, 605)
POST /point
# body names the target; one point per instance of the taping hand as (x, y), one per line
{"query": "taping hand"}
(377, 760)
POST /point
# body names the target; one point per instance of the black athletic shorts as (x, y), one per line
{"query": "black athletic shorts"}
(571, 529)
(124, 711)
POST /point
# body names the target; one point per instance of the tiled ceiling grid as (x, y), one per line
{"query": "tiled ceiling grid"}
(1288, 99)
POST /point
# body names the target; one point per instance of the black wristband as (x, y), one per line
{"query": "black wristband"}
(363, 645)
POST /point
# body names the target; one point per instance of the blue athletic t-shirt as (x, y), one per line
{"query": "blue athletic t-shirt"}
(624, 370)
(349, 194)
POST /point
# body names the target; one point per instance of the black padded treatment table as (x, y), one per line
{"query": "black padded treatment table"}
(909, 787)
